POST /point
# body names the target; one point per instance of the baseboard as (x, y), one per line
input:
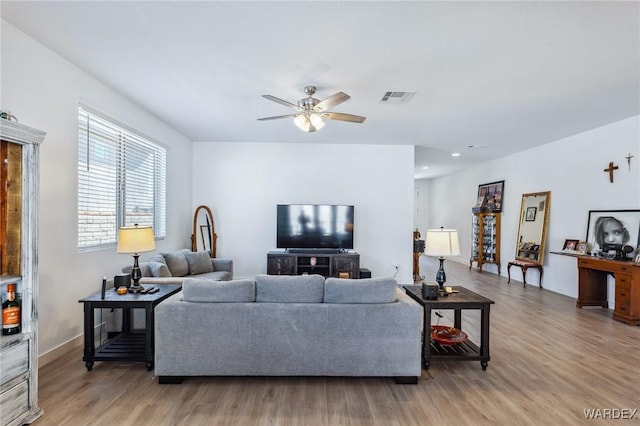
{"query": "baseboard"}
(58, 351)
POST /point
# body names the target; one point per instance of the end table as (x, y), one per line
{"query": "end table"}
(129, 345)
(464, 351)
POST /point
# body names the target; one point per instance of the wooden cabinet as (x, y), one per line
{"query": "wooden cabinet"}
(339, 265)
(592, 286)
(485, 240)
(19, 265)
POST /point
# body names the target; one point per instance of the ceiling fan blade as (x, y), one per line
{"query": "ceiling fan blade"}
(276, 117)
(332, 101)
(344, 117)
(281, 101)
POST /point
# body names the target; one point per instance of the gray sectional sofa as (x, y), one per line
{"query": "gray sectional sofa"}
(288, 326)
(173, 267)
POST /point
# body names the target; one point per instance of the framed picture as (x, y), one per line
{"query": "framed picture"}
(570, 245)
(531, 214)
(582, 247)
(492, 193)
(613, 227)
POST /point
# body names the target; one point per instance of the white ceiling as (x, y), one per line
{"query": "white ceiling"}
(510, 75)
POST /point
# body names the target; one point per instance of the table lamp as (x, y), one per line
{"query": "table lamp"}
(442, 242)
(136, 239)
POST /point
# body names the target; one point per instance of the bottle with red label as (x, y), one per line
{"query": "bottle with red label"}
(11, 312)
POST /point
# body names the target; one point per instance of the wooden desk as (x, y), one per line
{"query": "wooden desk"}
(592, 286)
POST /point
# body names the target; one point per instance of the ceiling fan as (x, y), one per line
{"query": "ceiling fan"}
(311, 111)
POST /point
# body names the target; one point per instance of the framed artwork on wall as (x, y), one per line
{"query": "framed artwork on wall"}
(492, 195)
(613, 227)
(531, 214)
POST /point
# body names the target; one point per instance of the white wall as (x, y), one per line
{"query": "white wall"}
(243, 182)
(572, 169)
(43, 90)
(421, 206)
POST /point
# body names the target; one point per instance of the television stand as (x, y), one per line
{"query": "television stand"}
(327, 264)
(314, 251)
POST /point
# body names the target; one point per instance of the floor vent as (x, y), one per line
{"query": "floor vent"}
(393, 97)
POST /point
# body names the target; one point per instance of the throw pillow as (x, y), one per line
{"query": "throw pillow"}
(144, 269)
(199, 262)
(177, 263)
(159, 269)
(156, 258)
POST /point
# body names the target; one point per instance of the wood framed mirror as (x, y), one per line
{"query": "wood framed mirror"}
(204, 235)
(532, 228)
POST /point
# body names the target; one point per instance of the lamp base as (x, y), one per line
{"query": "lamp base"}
(136, 274)
(136, 288)
(441, 278)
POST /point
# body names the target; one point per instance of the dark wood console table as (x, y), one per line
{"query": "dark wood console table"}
(339, 265)
(130, 345)
(592, 285)
(464, 351)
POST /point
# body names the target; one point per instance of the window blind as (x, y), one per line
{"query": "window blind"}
(121, 181)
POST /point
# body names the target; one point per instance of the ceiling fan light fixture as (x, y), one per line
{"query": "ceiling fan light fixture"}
(309, 122)
(310, 111)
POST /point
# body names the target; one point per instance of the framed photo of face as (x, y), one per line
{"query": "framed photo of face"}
(613, 227)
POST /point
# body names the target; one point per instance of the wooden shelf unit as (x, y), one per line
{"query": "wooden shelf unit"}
(485, 240)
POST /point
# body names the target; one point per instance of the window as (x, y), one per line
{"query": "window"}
(121, 181)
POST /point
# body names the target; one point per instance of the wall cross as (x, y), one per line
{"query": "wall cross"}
(610, 169)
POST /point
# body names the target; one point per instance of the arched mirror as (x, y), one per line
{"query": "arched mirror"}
(532, 230)
(204, 236)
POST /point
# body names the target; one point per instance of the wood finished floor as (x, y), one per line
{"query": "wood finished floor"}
(549, 362)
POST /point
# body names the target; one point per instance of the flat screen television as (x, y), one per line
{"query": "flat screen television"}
(313, 226)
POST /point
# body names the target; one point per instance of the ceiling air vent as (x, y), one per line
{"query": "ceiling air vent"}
(391, 97)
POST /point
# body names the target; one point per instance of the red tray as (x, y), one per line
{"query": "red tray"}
(446, 335)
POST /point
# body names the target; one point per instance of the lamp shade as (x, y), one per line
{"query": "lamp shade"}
(442, 242)
(136, 239)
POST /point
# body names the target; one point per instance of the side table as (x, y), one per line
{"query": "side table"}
(464, 351)
(129, 345)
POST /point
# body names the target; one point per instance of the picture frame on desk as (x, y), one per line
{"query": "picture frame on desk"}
(582, 247)
(570, 245)
(613, 227)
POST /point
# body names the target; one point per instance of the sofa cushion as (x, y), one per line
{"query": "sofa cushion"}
(199, 290)
(289, 289)
(199, 262)
(156, 258)
(159, 269)
(177, 262)
(369, 290)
